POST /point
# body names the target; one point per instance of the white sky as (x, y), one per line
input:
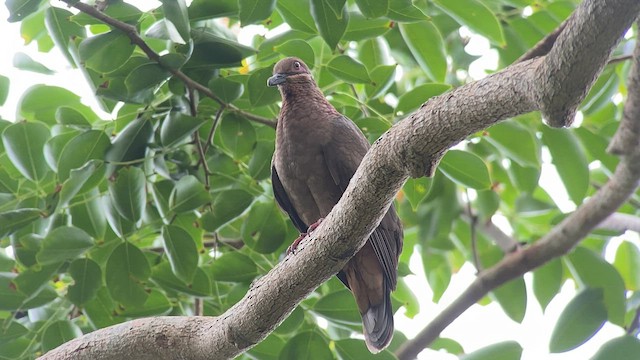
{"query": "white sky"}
(478, 327)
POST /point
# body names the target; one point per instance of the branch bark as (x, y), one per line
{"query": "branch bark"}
(412, 147)
(597, 212)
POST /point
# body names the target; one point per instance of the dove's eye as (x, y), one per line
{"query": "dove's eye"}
(296, 65)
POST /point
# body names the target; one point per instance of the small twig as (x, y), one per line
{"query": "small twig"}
(198, 307)
(473, 221)
(196, 138)
(635, 323)
(363, 108)
(619, 59)
(133, 34)
(544, 46)
(216, 119)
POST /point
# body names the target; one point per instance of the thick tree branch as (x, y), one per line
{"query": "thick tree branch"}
(412, 147)
(563, 237)
(543, 46)
(576, 59)
(132, 33)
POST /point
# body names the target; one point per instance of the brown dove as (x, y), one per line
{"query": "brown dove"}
(317, 152)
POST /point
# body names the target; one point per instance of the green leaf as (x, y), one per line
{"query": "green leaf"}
(14, 220)
(119, 10)
(11, 330)
(23, 61)
(427, 47)
(63, 243)
(237, 135)
(233, 267)
(627, 262)
(131, 144)
(593, 271)
(517, 142)
(40, 102)
(58, 333)
(128, 193)
(62, 30)
(106, 52)
(583, 316)
(24, 143)
(13, 300)
(512, 297)
(307, 345)
(199, 286)
(178, 127)
(382, 77)
(69, 116)
(127, 269)
(339, 307)
(525, 178)
(348, 69)
(331, 25)
(260, 163)
(449, 345)
(87, 278)
(205, 9)
(291, 323)
(438, 272)
(176, 12)
(87, 214)
(487, 204)
(298, 48)
(78, 177)
(416, 190)
(477, 16)
(373, 8)
(264, 230)
(227, 205)
(354, 349)
(405, 11)
(181, 251)
(417, 96)
(20, 9)
(188, 194)
(101, 310)
(297, 14)
(254, 11)
(34, 279)
(622, 348)
(547, 281)
(407, 298)
(4, 89)
(570, 161)
(213, 50)
(466, 169)
(259, 93)
(94, 143)
(507, 350)
(267, 349)
(360, 28)
(227, 90)
(166, 30)
(145, 76)
(157, 304)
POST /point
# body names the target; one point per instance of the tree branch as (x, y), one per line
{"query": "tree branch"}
(621, 222)
(412, 147)
(132, 33)
(564, 236)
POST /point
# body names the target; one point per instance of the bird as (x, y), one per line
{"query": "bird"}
(317, 152)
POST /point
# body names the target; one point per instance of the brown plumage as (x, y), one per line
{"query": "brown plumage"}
(317, 152)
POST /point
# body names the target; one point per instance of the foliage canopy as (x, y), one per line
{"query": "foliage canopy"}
(107, 219)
